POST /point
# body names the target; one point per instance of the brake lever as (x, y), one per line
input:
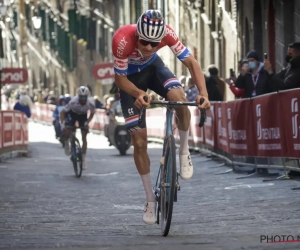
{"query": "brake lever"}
(142, 111)
(202, 115)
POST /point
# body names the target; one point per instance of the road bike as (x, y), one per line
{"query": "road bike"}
(76, 152)
(167, 184)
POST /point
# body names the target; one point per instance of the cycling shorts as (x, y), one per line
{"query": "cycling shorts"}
(72, 118)
(156, 77)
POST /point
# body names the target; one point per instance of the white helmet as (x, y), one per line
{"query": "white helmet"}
(151, 26)
(83, 91)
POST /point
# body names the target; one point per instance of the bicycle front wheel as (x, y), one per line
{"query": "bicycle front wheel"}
(77, 157)
(168, 184)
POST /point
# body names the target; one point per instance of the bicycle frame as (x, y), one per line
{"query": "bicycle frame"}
(169, 131)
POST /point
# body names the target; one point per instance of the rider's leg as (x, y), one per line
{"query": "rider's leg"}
(142, 162)
(84, 148)
(69, 122)
(184, 118)
(82, 119)
(168, 86)
(67, 133)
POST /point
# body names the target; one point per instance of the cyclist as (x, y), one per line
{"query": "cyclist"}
(67, 98)
(137, 68)
(76, 110)
(56, 115)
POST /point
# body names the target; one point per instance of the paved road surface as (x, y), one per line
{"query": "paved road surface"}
(43, 206)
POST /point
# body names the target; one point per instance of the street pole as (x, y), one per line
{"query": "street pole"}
(1, 56)
(23, 35)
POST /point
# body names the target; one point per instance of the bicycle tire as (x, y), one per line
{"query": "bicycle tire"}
(168, 175)
(77, 161)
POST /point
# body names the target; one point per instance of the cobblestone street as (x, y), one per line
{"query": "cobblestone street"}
(44, 206)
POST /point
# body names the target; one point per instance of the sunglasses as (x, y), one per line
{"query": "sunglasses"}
(145, 43)
(83, 97)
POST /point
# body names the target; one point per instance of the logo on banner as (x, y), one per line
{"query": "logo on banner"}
(229, 123)
(295, 109)
(221, 130)
(258, 115)
(104, 71)
(265, 133)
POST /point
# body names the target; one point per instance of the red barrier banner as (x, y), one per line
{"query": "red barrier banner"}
(268, 125)
(196, 134)
(221, 126)
(25, 129)
(209, 126)
(156, 123)
(240, 129)
(289, 101)
(8, 129)
(1, 130)
(18, 129)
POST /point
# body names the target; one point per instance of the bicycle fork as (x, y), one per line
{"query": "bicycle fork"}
(157, 188)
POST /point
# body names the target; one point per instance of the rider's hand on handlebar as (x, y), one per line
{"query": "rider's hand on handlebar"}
(205, 104)
(140, 102)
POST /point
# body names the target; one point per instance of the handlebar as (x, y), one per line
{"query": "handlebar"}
(175, 103)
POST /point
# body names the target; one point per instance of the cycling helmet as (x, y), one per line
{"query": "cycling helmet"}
(67, 97)
(151, 26)
(61, 98)
(83, 91)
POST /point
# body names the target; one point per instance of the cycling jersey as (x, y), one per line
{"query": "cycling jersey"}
(127, 58)
(77, 108)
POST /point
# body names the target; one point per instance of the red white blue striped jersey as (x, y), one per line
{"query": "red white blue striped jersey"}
(128, 60)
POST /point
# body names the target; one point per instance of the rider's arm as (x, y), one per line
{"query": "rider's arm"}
(121, 47)
(92, 110)
(67, 108)
(197, 75)
(183, 54)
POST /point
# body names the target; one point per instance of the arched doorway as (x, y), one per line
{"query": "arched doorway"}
(257, 25)
(271, 32)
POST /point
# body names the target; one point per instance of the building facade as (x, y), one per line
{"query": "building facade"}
(76, 35)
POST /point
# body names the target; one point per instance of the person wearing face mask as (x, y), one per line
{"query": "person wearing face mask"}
(289, 77)
(253, 78)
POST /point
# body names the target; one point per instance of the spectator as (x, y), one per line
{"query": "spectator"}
(56, 115)
(238, 93)
(215, 85)
(51, 99)
(192, 91)
(24, 104)
(289, 77)
(98, 103)
(253, 78)
(39, 97)
(45, 95)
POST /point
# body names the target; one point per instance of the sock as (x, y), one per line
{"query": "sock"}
(184, 142)
(148, 187)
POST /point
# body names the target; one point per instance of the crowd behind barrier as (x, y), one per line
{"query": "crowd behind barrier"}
(265, 126)
(13, 132)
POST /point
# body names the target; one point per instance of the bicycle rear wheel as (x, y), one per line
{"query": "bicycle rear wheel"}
(77, 157)
(168, 184)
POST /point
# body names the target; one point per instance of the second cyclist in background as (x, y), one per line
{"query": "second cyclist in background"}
(77, 110)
